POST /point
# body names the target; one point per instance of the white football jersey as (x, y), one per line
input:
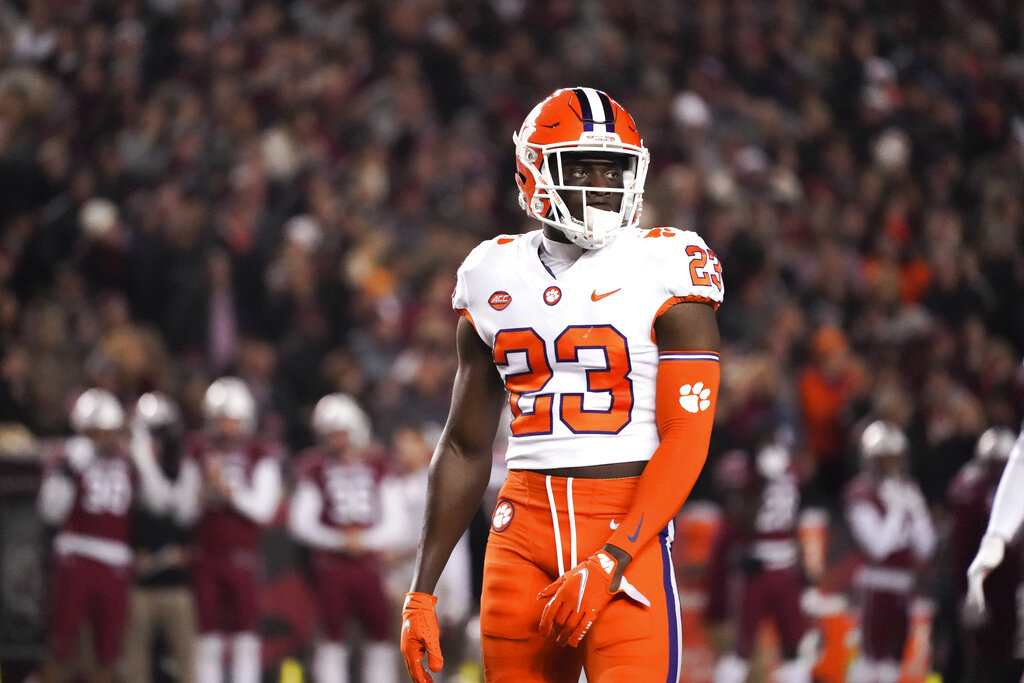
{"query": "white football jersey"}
(577, 352)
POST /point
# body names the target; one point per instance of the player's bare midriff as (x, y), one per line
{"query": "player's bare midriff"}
(613, 470)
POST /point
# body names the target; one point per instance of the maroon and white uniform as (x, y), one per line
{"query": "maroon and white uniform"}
(891, 525)
(333, 498)
(754, 571)
(991, 642)
(229, 531)
(89, 497)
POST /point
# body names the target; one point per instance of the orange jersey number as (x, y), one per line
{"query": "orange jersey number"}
(536, 376)
(698, 262)
(613, 379)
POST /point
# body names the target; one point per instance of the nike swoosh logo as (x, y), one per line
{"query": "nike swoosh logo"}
(636, 534)
(406, 626)
(613, 524)
(583, 587)
(594, 296)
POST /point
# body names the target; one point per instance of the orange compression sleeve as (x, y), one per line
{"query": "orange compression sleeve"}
(686, 393)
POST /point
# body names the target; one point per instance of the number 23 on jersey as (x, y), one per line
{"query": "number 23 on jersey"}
(613, 380)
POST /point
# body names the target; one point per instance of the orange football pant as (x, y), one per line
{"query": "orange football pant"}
(543, 526)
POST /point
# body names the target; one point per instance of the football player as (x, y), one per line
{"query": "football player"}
(602, 337)
(754, 574)
(238, 493)
(87, 492)
(892, 527)
(337, 498)
(991, 623)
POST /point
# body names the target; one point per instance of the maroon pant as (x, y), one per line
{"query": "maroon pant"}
(351, 587)
(771, 595)
(884, 623)
(227, 592)
(87, 590)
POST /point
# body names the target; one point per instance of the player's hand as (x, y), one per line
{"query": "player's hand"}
(577, 597)
(914, 500)
(990, 555)
(420, 635)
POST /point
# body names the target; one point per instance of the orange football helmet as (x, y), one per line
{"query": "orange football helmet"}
(573, 120)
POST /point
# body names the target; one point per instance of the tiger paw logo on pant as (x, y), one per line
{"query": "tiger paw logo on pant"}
(502, 517)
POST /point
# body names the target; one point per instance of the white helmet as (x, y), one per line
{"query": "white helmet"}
(230, 397)
(995, 444)
(156, 409)
(772, 461)
(97, 409)
(340, 413)
(882, 438)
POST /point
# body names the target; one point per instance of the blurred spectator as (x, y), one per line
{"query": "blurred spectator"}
(830, 384)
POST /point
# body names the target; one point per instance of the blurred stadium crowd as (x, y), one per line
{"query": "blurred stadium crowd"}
(282, 191)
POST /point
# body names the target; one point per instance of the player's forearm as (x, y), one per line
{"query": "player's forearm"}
(878, 536)
(259, 502)
(304, 519)
(185, 494)
(386, 534)
(923, 534)
(56, 499)
(155, 489)
(1008, 505)
(685, 428)
(458, 480)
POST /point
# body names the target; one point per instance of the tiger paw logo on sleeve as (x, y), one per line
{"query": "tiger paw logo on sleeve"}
(694, 399)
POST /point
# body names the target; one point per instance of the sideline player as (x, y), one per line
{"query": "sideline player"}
(990, 638)
(338, 499)
(1003, 525)
(604, 338)
(754, 574)
(238, 495)
(891, 525)
(88, 493)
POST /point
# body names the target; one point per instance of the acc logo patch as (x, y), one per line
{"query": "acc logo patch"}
(552, 295)
(503, 514)
(499, 300)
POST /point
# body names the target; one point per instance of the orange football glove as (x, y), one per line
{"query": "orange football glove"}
(579, 595)
(420, 635)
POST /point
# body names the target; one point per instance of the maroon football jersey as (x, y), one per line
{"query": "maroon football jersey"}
(971, 494)
(866, 488)
(221, 528)
(104, 491)
(351, 491)
(776, 517)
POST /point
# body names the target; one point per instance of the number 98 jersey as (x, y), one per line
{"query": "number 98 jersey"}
(578, 353)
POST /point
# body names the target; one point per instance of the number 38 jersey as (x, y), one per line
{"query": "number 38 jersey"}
(578, 353)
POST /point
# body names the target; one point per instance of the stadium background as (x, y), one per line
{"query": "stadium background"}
(283, 190)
